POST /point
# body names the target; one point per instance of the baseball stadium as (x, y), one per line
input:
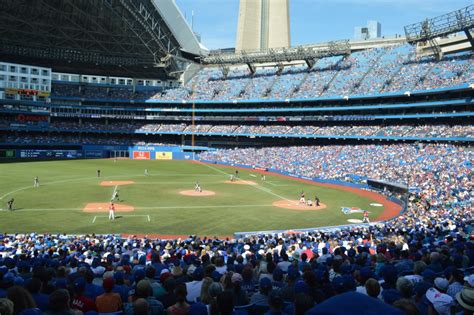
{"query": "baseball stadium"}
(144, 173)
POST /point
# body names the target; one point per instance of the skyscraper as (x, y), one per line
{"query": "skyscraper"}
(263, 24)
(371, 31)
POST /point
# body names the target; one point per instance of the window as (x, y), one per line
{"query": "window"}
(2, 67)
(12, 78)
(23, 70)
(34, 71)
(12, 69)
(45, 72)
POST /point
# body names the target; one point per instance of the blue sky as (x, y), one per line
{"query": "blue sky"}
(314, 21)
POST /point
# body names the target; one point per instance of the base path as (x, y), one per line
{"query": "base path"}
(104, 207)
(194, 193)
(241, 182)
(116, 182)
(295, 205)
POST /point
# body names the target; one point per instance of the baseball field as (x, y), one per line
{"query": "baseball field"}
(72, 198)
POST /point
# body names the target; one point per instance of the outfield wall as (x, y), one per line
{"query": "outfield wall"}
(64, 152)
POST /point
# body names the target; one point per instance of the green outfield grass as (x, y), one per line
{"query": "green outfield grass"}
(67, 186)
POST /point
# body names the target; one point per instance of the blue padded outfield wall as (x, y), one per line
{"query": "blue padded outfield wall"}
(67, 151)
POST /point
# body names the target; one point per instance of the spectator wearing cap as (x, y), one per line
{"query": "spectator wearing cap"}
(181, 307)
(194, 287)
(441, 284)
(109, 301)
(465, 299)
(59, 304)
(34, 287)
(168, 298)
(80, 301)
(21, 298)
(261, 297)
(439, 303)
(239, 296)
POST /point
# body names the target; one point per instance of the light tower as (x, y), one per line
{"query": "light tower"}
(263, 24)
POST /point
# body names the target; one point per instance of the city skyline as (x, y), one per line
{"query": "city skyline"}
(314, 21)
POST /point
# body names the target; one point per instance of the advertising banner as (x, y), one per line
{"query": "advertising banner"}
(164, 155)
(141, 155)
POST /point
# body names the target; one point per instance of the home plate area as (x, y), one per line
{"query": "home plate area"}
(104, 207)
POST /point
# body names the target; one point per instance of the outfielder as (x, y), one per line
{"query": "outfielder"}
(36, 182)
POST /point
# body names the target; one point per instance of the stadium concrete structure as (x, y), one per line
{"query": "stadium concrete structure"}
(95, 95)
(263, 24)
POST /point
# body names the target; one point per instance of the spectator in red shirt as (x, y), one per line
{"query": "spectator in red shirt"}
(80, 301)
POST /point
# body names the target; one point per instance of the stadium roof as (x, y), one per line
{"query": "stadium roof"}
(106, 37)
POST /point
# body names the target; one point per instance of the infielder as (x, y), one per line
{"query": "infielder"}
(146, 172)
(36, 182)
(111, 211)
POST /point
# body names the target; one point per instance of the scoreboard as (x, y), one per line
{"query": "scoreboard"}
(49, 154)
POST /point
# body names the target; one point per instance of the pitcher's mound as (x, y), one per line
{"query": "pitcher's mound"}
(241, 182)
(197, 193)
(104, 207)
(295, 205)
(116, 182)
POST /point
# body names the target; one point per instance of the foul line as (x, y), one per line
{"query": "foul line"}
(143, 208)
(113, 194)
(268, 191)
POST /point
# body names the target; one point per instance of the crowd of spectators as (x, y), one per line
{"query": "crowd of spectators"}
(421, 131)
(419, 263)
(384, 69)
(89, 91)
